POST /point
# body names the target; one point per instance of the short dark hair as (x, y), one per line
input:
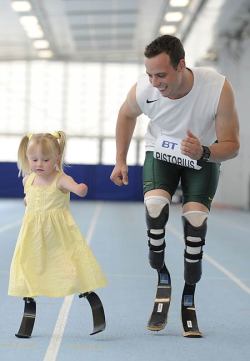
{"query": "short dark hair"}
(166, 44)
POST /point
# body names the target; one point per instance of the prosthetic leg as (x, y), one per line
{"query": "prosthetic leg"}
(28, 319)
(158, 318)
(195, 228)
(29, 315)
(157, 212)
(97, 311)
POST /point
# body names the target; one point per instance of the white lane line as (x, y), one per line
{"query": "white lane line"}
(216, 264)
(56, 338)
(229, 274)
(6, 227)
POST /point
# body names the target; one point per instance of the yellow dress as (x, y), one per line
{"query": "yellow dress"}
(51, 257)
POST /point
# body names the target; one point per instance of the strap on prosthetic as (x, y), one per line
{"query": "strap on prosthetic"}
(195, 229)
(157, 212)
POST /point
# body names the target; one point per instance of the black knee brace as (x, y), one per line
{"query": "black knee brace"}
(156, 253)
(193, 269)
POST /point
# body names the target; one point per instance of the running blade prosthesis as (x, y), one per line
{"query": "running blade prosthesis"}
(97, 311)
(188, 313)
(28, 319)
(158, 319)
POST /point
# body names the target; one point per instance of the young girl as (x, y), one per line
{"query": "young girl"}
(51, 257)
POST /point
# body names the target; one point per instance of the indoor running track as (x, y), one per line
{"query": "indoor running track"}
(116, 233)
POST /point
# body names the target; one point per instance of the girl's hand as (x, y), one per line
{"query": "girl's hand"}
(82, 190)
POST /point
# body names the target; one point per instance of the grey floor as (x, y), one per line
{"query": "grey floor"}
(116, 233)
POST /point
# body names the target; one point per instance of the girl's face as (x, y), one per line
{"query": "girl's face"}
(39, 163)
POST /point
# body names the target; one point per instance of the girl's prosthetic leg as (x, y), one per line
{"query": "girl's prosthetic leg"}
(29, 315)
(28, 319)
(97, 311)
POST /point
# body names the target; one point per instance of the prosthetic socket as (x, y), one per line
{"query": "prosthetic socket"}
(195, 229)
(157, 212)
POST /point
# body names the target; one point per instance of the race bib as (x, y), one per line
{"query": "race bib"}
(169, 150)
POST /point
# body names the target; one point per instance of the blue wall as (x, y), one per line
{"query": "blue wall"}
(95, 176)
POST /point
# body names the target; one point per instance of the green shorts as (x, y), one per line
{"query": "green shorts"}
(197, 185)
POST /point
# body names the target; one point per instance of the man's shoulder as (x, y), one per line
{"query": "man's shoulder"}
(143, 80)
(206, 72)
(146, 94)
(143, 85)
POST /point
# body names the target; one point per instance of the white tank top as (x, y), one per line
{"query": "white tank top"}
(195, 111)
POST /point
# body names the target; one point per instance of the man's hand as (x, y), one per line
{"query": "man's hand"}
(120, 175)
(191, 146)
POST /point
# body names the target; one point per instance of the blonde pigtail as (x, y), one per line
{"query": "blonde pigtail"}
(62, 145)
(22, 163)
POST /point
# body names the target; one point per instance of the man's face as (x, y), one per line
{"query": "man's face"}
(163, 76)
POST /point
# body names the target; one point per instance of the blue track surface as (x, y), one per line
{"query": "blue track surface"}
(116, 232)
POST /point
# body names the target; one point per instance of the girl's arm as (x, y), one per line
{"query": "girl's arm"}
(67, 184)
(24, 181)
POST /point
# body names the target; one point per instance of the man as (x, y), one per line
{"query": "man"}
(193, 127)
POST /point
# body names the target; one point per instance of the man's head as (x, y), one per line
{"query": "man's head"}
(166, 68)
(169, 45)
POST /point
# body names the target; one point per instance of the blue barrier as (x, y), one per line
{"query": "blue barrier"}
(95, 176)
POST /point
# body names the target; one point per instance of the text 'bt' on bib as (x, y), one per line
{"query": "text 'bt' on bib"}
(169, 150)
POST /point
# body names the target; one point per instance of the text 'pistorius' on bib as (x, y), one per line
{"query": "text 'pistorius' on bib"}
(169, 150)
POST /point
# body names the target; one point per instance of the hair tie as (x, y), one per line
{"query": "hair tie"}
(29, 135)
(55, 134)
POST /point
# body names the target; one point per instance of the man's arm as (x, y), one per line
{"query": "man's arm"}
(125, 126)
(227, 127)
(227, 131)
